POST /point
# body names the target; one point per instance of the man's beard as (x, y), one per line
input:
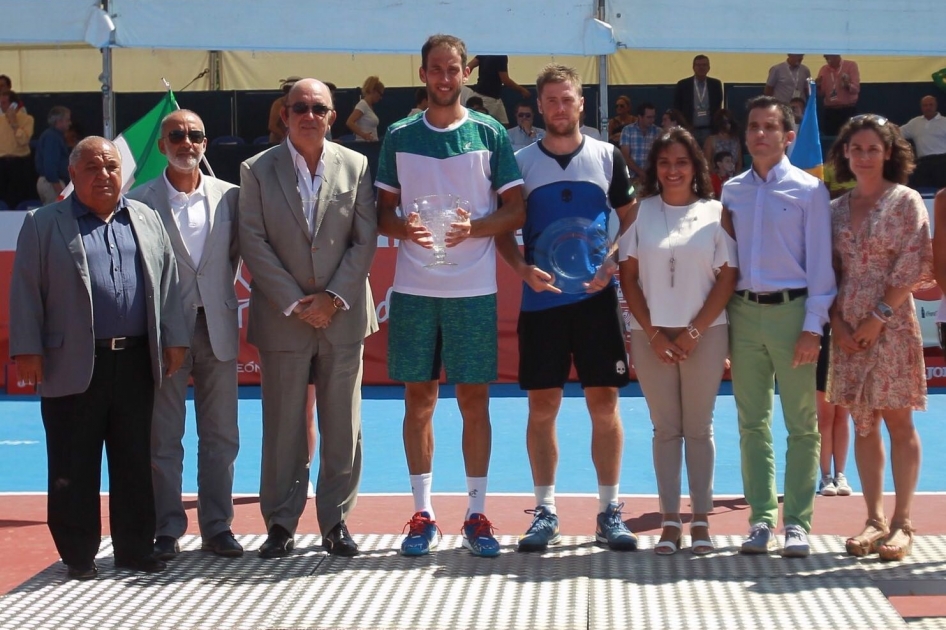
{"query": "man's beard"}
(185, 163)
(443, 100)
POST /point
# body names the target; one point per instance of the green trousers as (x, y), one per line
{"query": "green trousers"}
(762, 345)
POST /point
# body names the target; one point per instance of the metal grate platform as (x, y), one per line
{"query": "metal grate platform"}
(574, 585)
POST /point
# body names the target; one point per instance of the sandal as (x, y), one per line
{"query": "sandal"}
(898, 544)
(700, 547)
(669, 547)
(868, 540)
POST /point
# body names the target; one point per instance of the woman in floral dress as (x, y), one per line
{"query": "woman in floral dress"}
(882, 252)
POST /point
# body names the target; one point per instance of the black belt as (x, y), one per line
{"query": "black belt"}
(121, 343)
(776, 297)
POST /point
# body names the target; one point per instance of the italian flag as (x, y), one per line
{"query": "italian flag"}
(138, 145)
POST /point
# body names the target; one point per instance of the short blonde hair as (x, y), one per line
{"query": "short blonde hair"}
(370, 85)
(557, 73)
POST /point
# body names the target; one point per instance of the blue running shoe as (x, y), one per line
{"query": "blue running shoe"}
(478, 536)
(422, 535)
(543, 531)
(612, 530)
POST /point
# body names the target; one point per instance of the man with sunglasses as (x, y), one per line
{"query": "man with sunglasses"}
(308, 232)
(200, 215)
(524, 134)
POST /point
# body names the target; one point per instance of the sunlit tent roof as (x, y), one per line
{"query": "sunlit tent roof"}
(562, 27)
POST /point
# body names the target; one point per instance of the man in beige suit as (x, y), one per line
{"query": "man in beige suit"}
(308, 232)
(200, 216)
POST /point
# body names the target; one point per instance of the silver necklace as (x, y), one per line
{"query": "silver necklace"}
(673, 258)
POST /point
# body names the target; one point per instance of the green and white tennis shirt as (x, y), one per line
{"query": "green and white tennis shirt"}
(472, 159)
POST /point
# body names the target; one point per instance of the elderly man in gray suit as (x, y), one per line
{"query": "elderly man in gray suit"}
(96, 322)
(200, 216)
(308, 231)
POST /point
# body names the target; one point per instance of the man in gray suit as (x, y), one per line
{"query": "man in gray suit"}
(200, 216)
(96, 322)
(308, 231)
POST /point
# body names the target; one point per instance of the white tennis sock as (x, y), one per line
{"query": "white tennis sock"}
(476, 490)
(420, 488)
(606, 496)
(545, 496)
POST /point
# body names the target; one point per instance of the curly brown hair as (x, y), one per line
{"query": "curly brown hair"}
(896, 169)
(702, 185)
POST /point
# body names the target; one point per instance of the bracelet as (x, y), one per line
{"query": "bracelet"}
(878, 316)
(693, 332)
(654, 337)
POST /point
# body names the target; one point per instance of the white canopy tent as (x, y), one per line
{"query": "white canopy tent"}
(559, 27)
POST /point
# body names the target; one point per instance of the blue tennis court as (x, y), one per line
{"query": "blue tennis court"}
(23, 455)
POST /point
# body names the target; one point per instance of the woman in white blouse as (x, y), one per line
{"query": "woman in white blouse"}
(363, 122)
(678, 270)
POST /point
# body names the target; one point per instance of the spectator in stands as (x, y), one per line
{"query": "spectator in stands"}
(673, 118)
(6, 84)
(699, 98)
(928, 134)
(277, 128)
(839, 84)
(798, 109)
(52, 155)
(332, 88)
(476, 104)
(723, 169)
(524, 134)
(726, 137)
(16, 167)
(494, 74)
(788, 80)
(363, 121)
(637, 139)
(420, 101)
(623, 116)
(679, 336)
(882, 253)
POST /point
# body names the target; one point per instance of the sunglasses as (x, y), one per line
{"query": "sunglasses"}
(320, 110)
(876, 118)
(524, 115)
(177, 136)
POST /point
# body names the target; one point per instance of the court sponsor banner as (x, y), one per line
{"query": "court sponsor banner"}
(382, 277)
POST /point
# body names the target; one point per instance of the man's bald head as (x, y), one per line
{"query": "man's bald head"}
(91, 143)
(178, 116)
(929, 106)
(306, 85)
(95, 167)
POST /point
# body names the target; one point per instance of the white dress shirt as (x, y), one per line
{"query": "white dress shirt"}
(192, 216)
(783, 236)
(928, 135)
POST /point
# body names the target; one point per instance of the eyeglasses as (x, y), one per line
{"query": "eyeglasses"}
(177, 136)
(319, 109)
(876, 118)
(524, 115)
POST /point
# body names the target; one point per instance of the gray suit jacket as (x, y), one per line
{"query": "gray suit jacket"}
(287, 264)
(210, 282)
(51, 296)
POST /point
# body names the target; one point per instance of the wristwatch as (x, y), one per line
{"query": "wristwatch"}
(338, 303)
(693, 332)
(884, 309)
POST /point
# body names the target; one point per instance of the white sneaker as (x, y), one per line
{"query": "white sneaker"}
(843, 488)
(827, 487)
(796, 542)
(310, 491)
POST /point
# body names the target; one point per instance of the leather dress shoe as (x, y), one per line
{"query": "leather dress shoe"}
(338, 542)
(83, 572)
(278, 543)
(166, 548)
(223, 544)
(146, 564)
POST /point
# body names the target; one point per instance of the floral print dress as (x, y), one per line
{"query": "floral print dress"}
(892, 247)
